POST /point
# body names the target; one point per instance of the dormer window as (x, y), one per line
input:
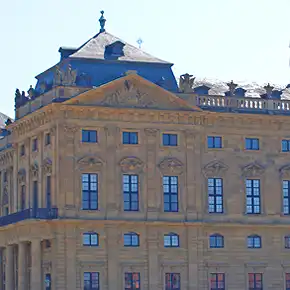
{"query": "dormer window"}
(114, 50)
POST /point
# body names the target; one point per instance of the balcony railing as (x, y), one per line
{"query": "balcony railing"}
(30, 213)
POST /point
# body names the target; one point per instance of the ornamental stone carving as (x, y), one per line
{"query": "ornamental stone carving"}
(171, 166)
(285, 171)
(90, 163)
(21, 176)
(215, 168)
(5, 196)
(131, 165)
(47, 166)
(34, 170)
(150, 132)
(253, 170)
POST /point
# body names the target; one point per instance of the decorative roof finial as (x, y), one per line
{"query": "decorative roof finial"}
(102, 21)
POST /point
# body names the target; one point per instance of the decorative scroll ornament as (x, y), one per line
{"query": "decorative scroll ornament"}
(253, 170)
(285, 171)
(90, 162)
(215, 168)
(47, 166)
(131, 164)
(21, 176)
(34, 170)
(171, 166)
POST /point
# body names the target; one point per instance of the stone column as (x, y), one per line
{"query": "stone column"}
(153, 262)
(22, 266)
(1, 268)
(36, 265)
(9, 267)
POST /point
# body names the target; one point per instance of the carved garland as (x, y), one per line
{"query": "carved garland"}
(131, 165)
(170, 166)
(215, 168)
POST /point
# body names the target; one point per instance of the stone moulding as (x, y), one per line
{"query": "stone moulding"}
(253, 170)
(285, 171)
(171, 166)
(131, 164)
(215, 168)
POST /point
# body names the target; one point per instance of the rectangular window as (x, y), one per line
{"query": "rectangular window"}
(22, 197)
(35, 194)
(253, 196)
(22, 150)
(172, 281)
(285, 144)
(90, 239)
(252, 144)
(255, 281)
(170, 193)
(215, 195)
(132, 281)
(130, 138)
(287, 281)
(217, 281)
(5, 178)
(214, 142)
(130, 192)
(47, 139)
(34, 144)
(48, 191)
(169, 139)
(89, 136)
(91, 280)
(89, 191)
(286, 196)
(47, 281)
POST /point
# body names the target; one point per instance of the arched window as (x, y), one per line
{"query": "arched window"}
(90, 239)
(171, 240)
(254, 242)
(131, 240)
(216, 241)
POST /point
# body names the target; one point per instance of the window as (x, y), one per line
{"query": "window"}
(255, 281)
(215, 195)
(287, 281)
(253, 196)
(48, 191)
(286, 196)
(172, 281)
(47, 281)
(89, 136)
(130, 138)
(216, 241)
(217, 281)
(285, 145)
(90, 239)
(22, 150)
(214, 142)
(89, 191)
(130, 192)
(169, 139)
(5, 176)
(252, 144)
(91, 281)
(131, 240)
(287, 242)
(132, 281)
(170, 193)
(34, 144)
(254, 242)
(47, 139)
(171, 240)
(22, 197)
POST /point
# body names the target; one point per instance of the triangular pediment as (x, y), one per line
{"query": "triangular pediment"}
(253, 170)
(132, 91)
(215, 168)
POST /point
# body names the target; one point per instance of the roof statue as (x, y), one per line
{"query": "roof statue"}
(186, 83)
(102, 21)
(65, 77)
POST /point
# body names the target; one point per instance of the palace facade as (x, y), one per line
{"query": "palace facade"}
(113, 176)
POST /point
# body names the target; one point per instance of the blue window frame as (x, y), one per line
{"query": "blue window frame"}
(22, 150)
(253, 204)
(252, 144)
(131, 240)
(285, 144)
(169, 139)
(130, 138)
(91, 280)
(287, 242)
(47, 281)
(90, 239)
(255, 281)
(215, 195)
(286, 196)
(23, 197)
(170, 193)
(216, 241)
(172, 281)
(47, 139)
(130, 192)
(35, 194)
(254, 242)
(89, 136)
(34, 144)
(214, 142)
(287, 281)
(132, 281)
(48, 191)
(89, 191)
(217, 281)
(171, 240)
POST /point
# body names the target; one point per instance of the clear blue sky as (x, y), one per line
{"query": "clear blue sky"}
(222, 39)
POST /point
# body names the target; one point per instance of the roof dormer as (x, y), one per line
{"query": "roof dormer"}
(114, 50)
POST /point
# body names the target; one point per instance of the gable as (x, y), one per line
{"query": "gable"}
(132, 91)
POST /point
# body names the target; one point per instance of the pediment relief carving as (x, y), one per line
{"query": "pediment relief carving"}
(90, 163)
(171, 166)
(47, 166)
(131, 164)
(34, 170)
(253, 170)
(285, 171)
(215, 168)
(21, 176)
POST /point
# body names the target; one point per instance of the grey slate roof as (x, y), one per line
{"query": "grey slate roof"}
(95, 48)
(3, 119)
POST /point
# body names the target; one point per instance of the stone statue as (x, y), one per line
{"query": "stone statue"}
(186, 83)
(31, 93)
(8, 122)
(232, 86)
(65, 77)
(17, 94)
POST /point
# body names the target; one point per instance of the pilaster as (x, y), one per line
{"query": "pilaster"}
(9, 271)
(36, 255)
(22, 266)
